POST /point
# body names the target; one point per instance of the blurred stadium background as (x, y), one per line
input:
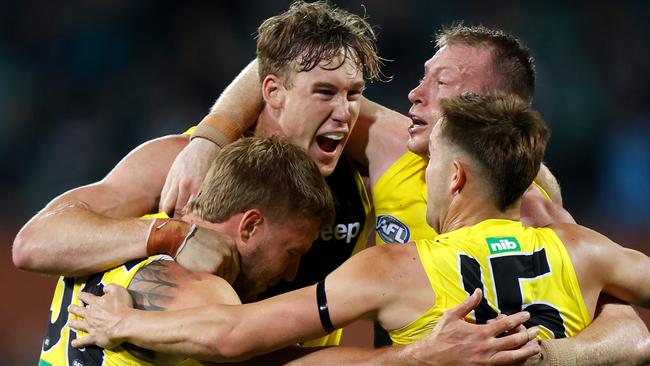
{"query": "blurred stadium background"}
(82, 83)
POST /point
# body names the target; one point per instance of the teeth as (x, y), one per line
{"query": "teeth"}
(336, 136)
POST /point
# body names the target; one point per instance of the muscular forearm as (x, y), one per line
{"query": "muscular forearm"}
(617, 336)
(69, 239)
(201, 333)
(223, 332)
(378, 139)
(235, 111)
(241, 101)
(94, 227)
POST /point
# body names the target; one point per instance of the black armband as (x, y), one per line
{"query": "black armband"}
(323, 311)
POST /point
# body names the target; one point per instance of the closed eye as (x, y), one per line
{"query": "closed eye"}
(354, 94)
(325, 91)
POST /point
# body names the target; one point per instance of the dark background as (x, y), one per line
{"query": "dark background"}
(82, 83)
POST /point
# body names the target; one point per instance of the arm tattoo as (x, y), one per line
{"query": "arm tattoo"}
(153, 286)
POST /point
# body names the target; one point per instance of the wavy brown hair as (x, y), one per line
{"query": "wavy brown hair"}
(308, 33)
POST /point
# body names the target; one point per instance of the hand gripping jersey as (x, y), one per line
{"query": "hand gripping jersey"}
(518, 268)
(56, 349)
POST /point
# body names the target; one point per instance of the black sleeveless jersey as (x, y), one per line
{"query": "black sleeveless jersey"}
(334, 243)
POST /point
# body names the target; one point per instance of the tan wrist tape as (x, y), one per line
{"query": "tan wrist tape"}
(558, 352)
(168, 236)
(218, 129)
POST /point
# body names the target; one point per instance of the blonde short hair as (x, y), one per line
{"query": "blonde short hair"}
(268, 174)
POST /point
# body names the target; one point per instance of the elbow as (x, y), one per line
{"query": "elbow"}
(20, 252)
(25, 251)
(223, 346)
(225, 350)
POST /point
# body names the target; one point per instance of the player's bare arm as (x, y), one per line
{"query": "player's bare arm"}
(218, 332)
(617, 336)
(604, 265)
(92, 228)
(239, 104)
(453, 341)
(95, 227)
(378, 139)
(164, 285)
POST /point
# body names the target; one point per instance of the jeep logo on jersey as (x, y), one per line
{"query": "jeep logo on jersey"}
(347, 231)
(501, 245)
(391, 230)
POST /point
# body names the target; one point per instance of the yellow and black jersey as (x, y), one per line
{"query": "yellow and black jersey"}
(400, 202)
(517, 268)
(56, 348)
(336, 243)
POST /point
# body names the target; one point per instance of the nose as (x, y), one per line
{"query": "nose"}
(292, 269)
(415, 95)
(342, 112)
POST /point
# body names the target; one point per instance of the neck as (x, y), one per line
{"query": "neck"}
(467, 211)
(267, 124)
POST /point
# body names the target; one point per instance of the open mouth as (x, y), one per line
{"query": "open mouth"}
(330, 141)
(417, 122)
(417, 126)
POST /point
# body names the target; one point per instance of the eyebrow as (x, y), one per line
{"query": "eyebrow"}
(325, 84)
(452, 68)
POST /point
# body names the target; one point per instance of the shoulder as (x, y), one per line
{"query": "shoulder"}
(388, 266)
(166, 285)
(587, 248)
(376, 264)
(391, 254)
(576, 235)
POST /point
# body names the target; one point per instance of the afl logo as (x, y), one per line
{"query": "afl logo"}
(391, 230)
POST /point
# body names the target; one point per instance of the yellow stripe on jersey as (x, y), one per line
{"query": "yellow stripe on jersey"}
(157, 215)
(501, 256)
(400, 201)
(332, 339)
(543, 191)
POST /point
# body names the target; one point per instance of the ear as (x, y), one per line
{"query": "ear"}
(273, 91)
(458, 178)
(251, 224)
